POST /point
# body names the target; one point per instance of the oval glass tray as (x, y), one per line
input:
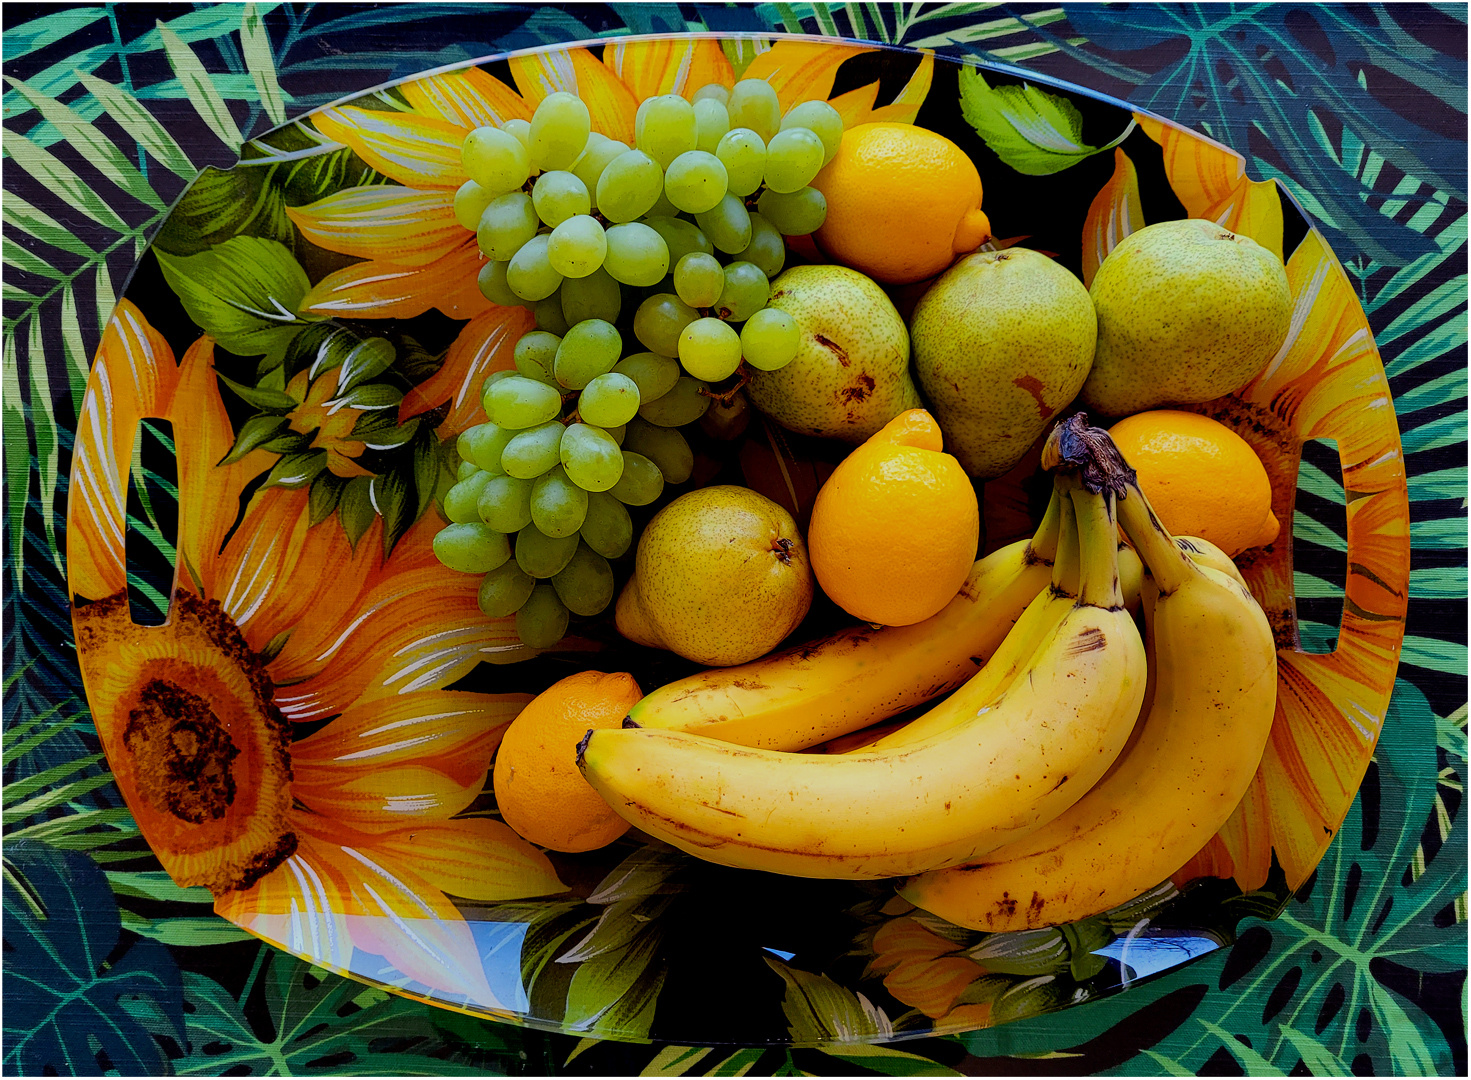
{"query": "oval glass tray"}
(308, 731)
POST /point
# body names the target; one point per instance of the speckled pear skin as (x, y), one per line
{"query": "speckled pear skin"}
(723, 575)
(1188, 311)
(851, 375)
(1002, 341)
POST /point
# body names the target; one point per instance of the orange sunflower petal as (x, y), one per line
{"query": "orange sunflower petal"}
(801, 70)
(469, 98)
(209, 492)
(657, 66)
(1115, 212)
(417, 151)
(577, 71)
(452, 731)
(399, 794)
(476, 858)
(1210, 181)
(382, 290)
(132, 378)
(263, 560)
(300, 906)
(397, 224)
(486, 343)
(905, 106)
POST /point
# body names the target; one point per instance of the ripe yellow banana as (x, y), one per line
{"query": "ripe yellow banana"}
(1017, 760)
(1179, 779)
(817, 691)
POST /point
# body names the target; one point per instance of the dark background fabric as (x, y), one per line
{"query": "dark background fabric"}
(1358, 110)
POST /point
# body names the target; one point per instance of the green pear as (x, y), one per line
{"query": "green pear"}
(721, 577)
(1188, 311)
(1002, 341)
(850, 376)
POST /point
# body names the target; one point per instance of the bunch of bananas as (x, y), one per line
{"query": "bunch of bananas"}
(1078, 765)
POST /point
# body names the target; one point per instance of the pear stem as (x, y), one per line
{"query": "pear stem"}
(1098, 540)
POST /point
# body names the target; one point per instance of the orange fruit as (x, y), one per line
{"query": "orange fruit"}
(538, 787)
(1201, 477)
(902, 202)
(895, 528)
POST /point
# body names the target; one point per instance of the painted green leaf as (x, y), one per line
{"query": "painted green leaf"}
(262, 397)
(185, 932)
(356, 508)
(1438, 583)
(1033, 130)
(367, 360)
(820, 1010)
(59, 178)
(201, 89)
(252, 433)
(221, 204)
(141, 124)
(296, 470)
(1435, 654)
(255, 43)
(244, 293)
(34, 222)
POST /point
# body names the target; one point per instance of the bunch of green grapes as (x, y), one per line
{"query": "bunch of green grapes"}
(690, 222)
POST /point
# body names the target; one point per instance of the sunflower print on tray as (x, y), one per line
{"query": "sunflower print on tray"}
(1326, 382)
(278, 625)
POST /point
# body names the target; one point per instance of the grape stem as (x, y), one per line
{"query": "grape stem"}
(725, 397)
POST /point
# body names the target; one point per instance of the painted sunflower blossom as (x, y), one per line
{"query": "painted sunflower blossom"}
(286, 737)
(416, 256)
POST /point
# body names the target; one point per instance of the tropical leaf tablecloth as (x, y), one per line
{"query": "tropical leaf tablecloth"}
(1359, 111)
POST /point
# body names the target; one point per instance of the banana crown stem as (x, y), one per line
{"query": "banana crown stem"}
(1098, 546)
(1043, 547)
(1167, 562)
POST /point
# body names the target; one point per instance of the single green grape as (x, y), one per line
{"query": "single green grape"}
(712, 121)
(559, 130)
(743, 153)
(496, 160)
(616, 433)
(753, 104)
(471, 547)
(470, 202)
(585, 584)
(684, 404)
(658, 321)
(793, 157)
(728, 225)
(541, 555)
(629, 186)
(745, 293)
(557, 504)
(521, 129)
(535, 352)
(530, 274)
(541, 622)
(695, 181)
(495, 377)
(483, 445)
(608, 528)
(587, 350)
(654, 375)
(533, 451)
(822, 120)
(518, 403)
(637, 254)
(504, 589)
(662, 208)
(505, 503)
(710, 349)
(559, 195)
(548, 314)
(466, 468)
(591, 457)
(460, 501)
(680, 236)
(664, 128)
(609, 400)
(494, 287)
(641, 482)
(595, 157)
(699, 279)
(795, 214)
(767, 249)
(577, 246)
(596, 296)
(770, 339)
(664, 446)
(713, 92)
